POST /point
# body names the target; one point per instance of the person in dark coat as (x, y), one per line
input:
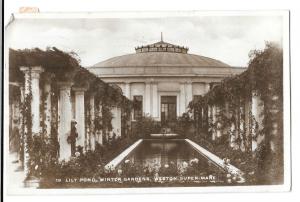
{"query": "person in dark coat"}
(72, 137)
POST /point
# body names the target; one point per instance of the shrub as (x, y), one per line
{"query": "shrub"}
(184, 125)
(145, 126)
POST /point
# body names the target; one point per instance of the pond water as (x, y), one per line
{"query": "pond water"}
(170, 158)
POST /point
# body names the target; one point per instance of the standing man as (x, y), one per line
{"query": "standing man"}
(72, 137)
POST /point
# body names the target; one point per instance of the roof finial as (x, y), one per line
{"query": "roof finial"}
(161, 36)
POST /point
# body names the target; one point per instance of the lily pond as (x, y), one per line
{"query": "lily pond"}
(152, 163)
(170, 161)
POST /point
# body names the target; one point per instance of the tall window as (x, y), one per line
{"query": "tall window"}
(138, 108)
(168, 109)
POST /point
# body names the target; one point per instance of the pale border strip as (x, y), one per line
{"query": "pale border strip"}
(215, 159)
(116, 161)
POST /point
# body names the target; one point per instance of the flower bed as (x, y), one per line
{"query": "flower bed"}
(87, 170)
(248, 162)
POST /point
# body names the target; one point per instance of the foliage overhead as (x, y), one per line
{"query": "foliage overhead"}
(265, 68)
(64, 66)
(228, 100)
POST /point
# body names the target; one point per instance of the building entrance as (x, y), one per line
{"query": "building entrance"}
(168, 109)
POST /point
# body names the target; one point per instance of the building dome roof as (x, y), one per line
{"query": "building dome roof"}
(153, 59)
(162, 59)
(160, 54)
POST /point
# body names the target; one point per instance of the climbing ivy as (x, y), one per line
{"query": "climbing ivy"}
(264, 78)
(42, 149)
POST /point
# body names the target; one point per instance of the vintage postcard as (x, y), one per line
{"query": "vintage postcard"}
(102, 102)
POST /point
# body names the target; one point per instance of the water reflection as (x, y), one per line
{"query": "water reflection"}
(173, 156)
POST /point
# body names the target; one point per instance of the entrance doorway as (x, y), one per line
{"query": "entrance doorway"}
(168, 109)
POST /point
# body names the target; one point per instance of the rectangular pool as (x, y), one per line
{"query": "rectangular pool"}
(175, 158)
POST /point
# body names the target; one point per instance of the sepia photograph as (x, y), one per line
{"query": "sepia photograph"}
(146, 100)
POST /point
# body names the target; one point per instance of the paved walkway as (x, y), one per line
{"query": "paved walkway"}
(15, 176)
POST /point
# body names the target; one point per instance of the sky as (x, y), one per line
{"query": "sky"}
(226, 38)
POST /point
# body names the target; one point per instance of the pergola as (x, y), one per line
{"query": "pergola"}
(48, 89)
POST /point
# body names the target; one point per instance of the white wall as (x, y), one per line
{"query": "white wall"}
(184, 90)
(168, 86)
(199, 88)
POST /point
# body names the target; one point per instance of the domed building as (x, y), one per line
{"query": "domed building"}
(163, 78)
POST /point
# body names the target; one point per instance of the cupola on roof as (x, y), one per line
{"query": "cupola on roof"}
(161, 46)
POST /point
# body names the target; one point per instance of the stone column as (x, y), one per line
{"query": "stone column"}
(203, 116)
(80, 116)
(200, 117)
(22, 142)
(36, 97)
(276, 143)
(256, 122)
(32, 76)
(218, 122)
(226, 130)
(154, 100)
(209, 119)
(98, 132)
(189, 94)
(65, 112)
(148, 98)
(237, 126)
(182, 99)
(247, 123)
(33, 73)
(242, 125)
(234, 127)
(15, 109)
(119, 129)
(127, 90)
(116, 121)
(58, 113)
(214, 121)
(232, 134)
(92, 126)
(47, 90)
